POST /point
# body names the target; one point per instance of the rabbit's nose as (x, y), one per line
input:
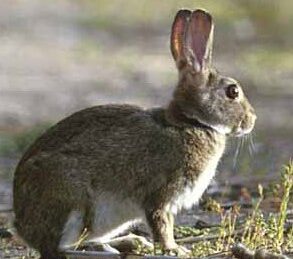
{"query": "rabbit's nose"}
(253, 116)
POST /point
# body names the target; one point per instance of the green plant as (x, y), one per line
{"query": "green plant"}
(287, 184)
(251, 221)
(258, 230)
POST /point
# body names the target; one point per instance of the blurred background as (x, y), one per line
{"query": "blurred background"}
(58, 56)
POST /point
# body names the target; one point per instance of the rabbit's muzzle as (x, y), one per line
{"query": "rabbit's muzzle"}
(246, 125)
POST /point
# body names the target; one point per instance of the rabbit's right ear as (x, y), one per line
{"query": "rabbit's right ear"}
(199, 40)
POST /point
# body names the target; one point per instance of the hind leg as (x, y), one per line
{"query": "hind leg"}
(111, 216)
(127, 243)
(42, 231)
(75, 235)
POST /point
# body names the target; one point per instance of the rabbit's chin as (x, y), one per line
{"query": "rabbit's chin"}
(225, 130)
(222, 129)
(241, 132)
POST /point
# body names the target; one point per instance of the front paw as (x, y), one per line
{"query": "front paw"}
(177, 250)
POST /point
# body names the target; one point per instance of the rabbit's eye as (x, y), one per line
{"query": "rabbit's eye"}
(232, 91)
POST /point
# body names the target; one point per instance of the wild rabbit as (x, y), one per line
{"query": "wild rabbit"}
(108, 166)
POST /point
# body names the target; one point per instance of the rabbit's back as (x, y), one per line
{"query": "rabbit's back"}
(106, 138)
(70, 128)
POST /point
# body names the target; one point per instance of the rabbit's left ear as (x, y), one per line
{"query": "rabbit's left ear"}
(199, 40)
(178, 33)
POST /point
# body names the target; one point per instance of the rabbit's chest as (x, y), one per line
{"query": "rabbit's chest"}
(200, 173)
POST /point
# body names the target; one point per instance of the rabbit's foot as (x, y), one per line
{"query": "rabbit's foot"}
(95, 246)
(178, 250)
(110, 249)
(131, 242)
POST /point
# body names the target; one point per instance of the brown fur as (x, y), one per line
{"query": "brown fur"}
(146, 156)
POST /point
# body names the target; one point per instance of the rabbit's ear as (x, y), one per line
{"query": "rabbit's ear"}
(179, 29)
(199, 40)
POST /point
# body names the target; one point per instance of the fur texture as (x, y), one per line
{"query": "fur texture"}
(105, 167)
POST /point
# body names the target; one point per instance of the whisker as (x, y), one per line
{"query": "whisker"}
(251, 145)
(247, 143)
(244, 141)
(237, 152)
(250, 148)
(252, 142)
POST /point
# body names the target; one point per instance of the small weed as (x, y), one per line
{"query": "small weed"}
(287, 184)
(259, 229)
(184, 231)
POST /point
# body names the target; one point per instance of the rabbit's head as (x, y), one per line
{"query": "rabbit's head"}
(202, 93)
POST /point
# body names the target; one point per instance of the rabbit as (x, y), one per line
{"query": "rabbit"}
(107, 167)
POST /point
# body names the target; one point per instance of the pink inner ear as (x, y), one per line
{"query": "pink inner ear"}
(177, 37)
(198, 34)
(178, 31)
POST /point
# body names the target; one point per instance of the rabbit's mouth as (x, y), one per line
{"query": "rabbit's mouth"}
(241, 132)
(245, 126)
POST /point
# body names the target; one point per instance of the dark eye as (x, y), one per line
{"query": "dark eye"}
(232, 91)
